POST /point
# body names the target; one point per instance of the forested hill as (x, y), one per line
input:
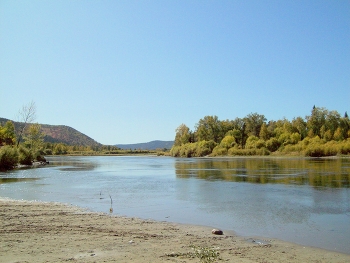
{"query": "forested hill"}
(147, 145)
(61, 134)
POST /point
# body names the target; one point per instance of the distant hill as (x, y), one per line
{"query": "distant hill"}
(147, 145)
(61, 134)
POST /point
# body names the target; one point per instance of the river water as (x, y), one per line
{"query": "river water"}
(305, 201)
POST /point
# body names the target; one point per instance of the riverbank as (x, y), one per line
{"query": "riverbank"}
(52, 232)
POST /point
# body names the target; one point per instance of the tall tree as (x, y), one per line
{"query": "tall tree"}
(34, 139)
(316, 120)
(183, 135)
(26, 115)
(299, 125)
(240, 126)
(344, 124)
(208, 128)
(254, 121)
(264, 133)
(332, 120)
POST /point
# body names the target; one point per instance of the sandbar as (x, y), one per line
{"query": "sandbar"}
(33, 231)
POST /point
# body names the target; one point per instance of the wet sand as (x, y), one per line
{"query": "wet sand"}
(52, 232)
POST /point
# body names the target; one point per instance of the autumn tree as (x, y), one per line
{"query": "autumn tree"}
(26, 115)
(183, 135)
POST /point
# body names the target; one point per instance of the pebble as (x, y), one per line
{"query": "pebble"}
(217, 232)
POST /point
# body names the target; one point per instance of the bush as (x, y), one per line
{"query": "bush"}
(272, 144)
(25, 156)
(204, 148)
(345, 147)
(196, 149)
(8, 157)
(292, 149)
(317, 149)
(251, 142)
(248, 152)
(175, 151)
(219, 151)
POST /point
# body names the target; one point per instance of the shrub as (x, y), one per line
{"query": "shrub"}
(295, 138)
(206, 254)
(25, 156)
(291, 148)
(260, 144)
(8, 157)
(251, 142)
(248, 152)
(175, 151)
(227, 142)
(345, 147)
(204, 148)
(272, 144)
(219, 151)
(315, 151)
(189, 150)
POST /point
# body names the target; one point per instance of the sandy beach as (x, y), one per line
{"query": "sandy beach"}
(52, 232)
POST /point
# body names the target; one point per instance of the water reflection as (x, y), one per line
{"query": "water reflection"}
(16, 180)
(74, 163)
(315, 172)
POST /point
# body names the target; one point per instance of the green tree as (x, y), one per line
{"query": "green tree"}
(240, 131)
(316, 120)
(34, 139)
(228, 142)
(183, 135)
(332, 120)
(272, 144)
(8, 157)
(251, 142)
(59, 149)
(208, 128)
(299, 125)
(338, 135)
(253, 122)
(7, 134)
(264, 132)
(225, 127)
(344, 125)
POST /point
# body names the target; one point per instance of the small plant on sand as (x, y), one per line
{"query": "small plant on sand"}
(205, 254)
(111, 209)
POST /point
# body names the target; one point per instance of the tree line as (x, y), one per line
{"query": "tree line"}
(322, 133)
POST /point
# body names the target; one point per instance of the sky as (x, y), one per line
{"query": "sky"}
(133, 71)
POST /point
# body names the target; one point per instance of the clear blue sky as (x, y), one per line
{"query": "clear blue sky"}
(133, 71)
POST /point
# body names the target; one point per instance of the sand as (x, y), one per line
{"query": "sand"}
(52, 232)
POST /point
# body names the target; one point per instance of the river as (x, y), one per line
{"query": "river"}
(301, 200)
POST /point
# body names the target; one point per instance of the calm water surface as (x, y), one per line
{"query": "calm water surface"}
(306, 201)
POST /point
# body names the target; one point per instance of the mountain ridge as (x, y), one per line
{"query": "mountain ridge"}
(70, 136)
(60, 134)
(152, 145)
